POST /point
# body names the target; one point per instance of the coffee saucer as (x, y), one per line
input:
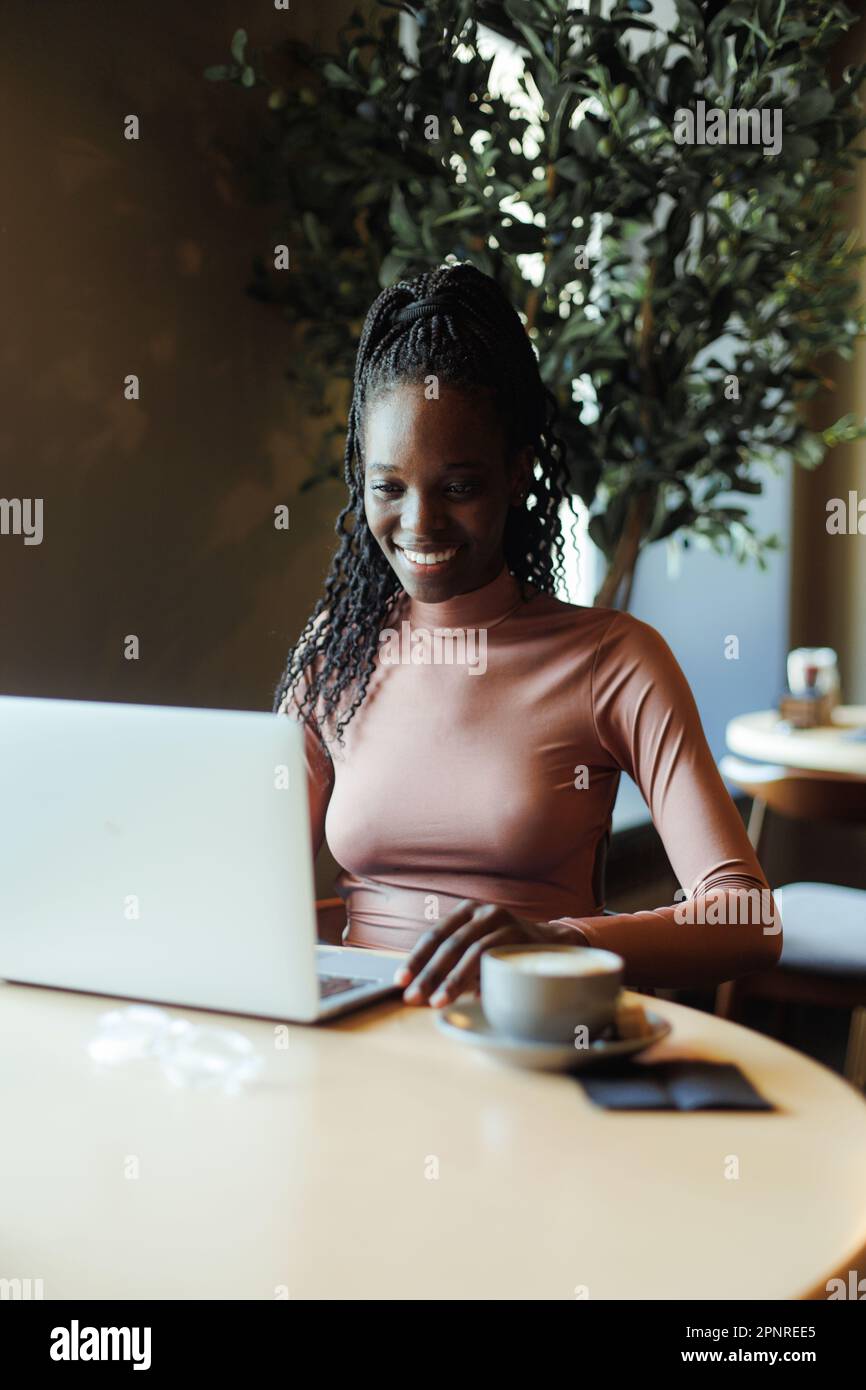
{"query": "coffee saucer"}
(466, 1022)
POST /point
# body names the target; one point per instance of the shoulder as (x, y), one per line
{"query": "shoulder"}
(613, 633)
(584, 625)
(637, 676)
(623, 635)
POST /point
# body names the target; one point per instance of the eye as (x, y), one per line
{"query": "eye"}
(454, 489)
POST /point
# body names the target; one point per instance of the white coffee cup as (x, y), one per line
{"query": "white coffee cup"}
(546, 993)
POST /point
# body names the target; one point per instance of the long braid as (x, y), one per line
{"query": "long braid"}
(480, 344)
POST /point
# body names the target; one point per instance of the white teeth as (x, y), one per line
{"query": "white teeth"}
(429, 559)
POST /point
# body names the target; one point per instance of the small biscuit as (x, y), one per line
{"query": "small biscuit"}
(631, 1019)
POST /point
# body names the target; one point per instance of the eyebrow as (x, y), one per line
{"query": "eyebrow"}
(393, 468)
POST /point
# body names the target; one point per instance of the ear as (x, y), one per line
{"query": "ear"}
(521, 474)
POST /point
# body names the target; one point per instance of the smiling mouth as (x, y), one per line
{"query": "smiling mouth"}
(430, 560)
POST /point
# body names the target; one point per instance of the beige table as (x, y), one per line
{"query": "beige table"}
(764, 737)
(377, 1159)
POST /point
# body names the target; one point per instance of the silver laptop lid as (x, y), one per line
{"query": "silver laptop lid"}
(157, 853)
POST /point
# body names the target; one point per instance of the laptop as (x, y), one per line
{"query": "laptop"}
(164, 854)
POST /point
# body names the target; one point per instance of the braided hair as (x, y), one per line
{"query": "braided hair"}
(472, 340)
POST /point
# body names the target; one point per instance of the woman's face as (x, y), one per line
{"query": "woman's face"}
(437, 488)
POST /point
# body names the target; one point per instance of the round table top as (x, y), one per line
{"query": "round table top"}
(766, 738)
(374, 1158)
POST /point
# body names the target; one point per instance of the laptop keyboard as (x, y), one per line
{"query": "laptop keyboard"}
(337, 984)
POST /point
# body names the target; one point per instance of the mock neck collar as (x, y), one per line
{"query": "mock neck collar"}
(479, 608)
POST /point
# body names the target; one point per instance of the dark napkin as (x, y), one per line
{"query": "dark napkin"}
(682, 1085)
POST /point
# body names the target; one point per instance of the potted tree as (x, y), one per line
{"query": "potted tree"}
(679, 293)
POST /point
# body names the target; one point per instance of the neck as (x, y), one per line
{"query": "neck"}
(479, 607)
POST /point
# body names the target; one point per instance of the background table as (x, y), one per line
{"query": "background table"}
(320, 1180)
(763, 737)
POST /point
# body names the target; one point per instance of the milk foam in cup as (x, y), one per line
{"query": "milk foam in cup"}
(559, 962)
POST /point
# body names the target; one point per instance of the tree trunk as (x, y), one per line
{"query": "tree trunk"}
(615, 589)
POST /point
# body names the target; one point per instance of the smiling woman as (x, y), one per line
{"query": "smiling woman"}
(438, 514)
(472, 813)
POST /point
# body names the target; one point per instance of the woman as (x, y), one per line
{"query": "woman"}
(465, 730)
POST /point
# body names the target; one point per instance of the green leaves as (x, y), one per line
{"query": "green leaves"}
(338, 78)
(674, 520)
(238, 45)
(679, 294)
(798, 147)
(241, 70)
(403, 226)
(814, 106)
(690, 16)
(537, 49)
(844, 431)
(464, 214)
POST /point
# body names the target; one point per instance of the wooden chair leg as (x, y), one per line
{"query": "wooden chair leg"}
(855, 1056)
(330, 920)
(728, 999)
(756, 824)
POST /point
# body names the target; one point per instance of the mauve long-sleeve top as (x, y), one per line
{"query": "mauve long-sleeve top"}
(488, 767)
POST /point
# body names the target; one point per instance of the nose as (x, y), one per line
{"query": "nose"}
(422, 514)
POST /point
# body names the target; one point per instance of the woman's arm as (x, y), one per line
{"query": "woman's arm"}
(320, 775)
(647, 720)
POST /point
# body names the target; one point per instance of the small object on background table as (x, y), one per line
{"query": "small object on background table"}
(814, 669)
(813, 687)
(806, 711)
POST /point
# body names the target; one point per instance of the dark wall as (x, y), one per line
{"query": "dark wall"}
(131, 257)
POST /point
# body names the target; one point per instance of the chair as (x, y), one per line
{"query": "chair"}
(823, 957)
(330, 919)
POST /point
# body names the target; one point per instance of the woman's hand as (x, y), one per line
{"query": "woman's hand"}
(446, 961)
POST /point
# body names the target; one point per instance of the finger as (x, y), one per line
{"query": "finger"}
(443, 960)
(428, 943)
(483, 921)
(466, 974)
